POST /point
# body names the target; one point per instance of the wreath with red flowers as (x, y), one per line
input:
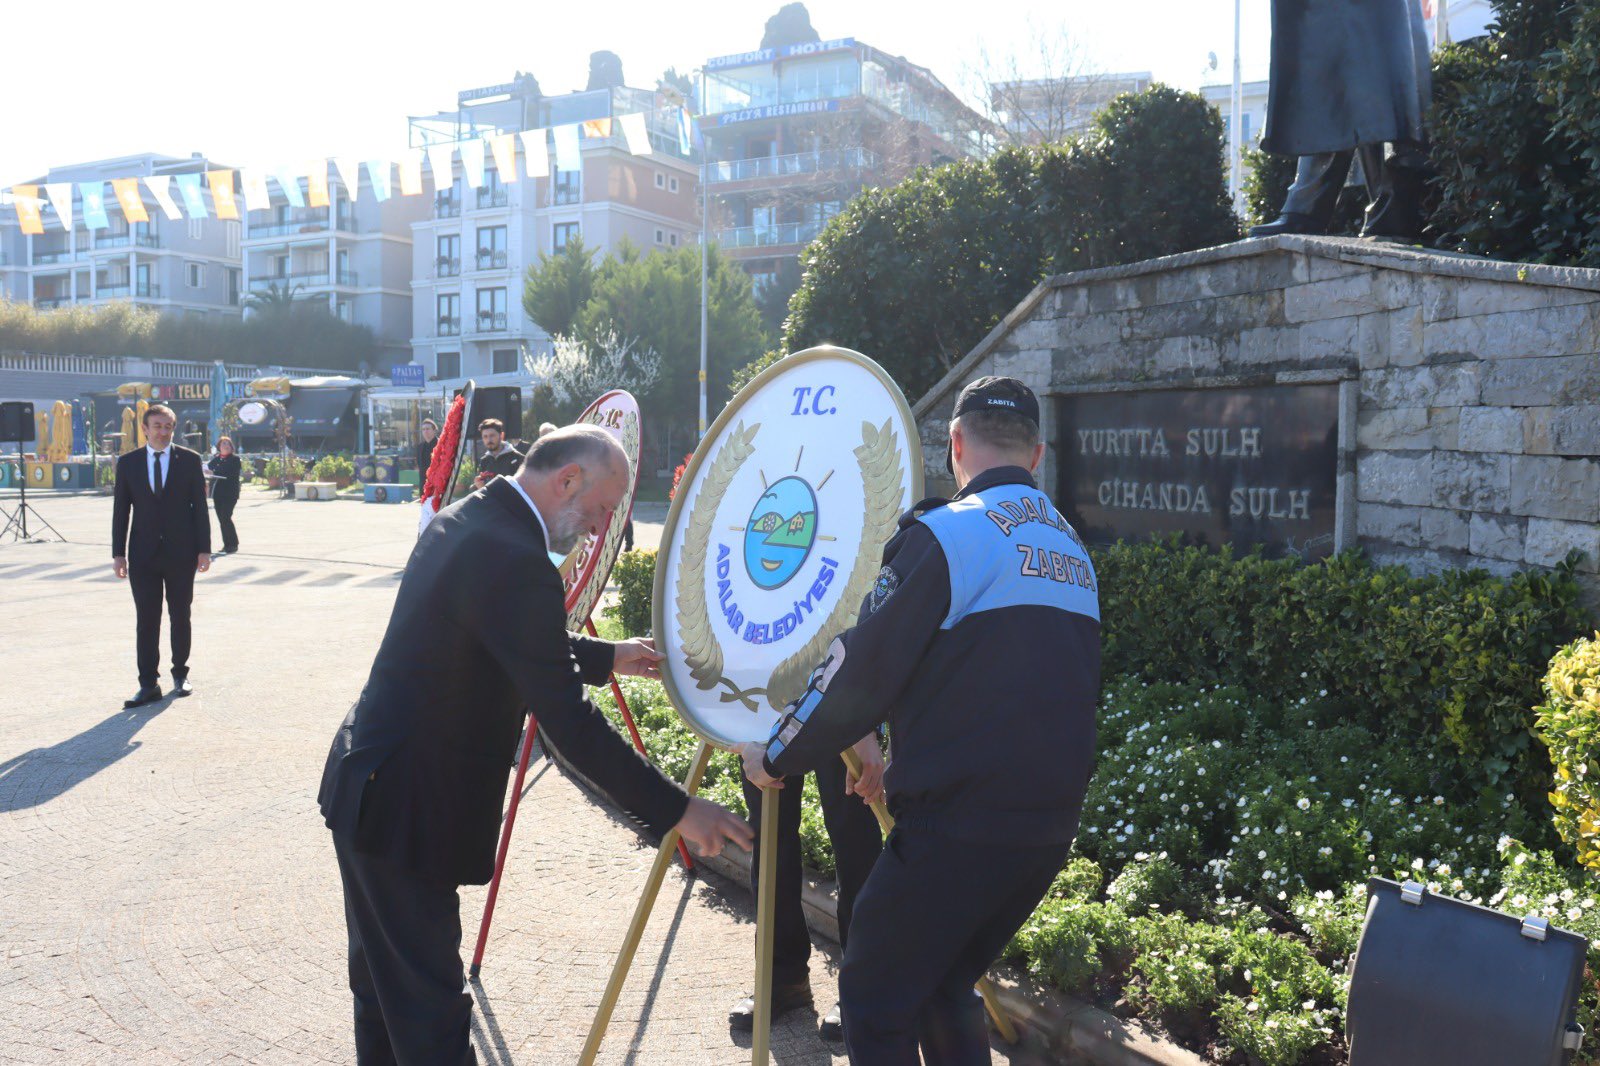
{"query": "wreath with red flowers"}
(442, 469)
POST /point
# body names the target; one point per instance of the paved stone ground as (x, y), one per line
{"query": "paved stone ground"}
(167, 890)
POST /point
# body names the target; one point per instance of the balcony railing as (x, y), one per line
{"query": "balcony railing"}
(449, 327)
(762, 236)
(567, 194)
(42, 258)
(289, 281)
(114, 240)
(492, 198)
(447, 268)
(491, 322)
(780, 166)
(289, 227)
(446, 206)
(148, 240)
(491, 260)
(51, 302)
(125, 291)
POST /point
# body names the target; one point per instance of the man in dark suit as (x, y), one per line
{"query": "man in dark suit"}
(416, 777)
(164, 488)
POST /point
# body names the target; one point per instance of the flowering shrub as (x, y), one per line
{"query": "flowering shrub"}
(1569, 725)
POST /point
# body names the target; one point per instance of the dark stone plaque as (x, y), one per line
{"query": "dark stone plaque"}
(1247, 467)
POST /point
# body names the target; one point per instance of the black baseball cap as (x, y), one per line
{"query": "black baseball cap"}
(1007, 395)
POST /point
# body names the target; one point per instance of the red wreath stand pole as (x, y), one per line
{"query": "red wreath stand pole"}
(516, 799)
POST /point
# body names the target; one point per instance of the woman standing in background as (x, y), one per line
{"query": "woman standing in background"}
(225, 477)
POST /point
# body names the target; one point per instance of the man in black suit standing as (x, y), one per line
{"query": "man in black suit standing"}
(164, 487)
(416, 778)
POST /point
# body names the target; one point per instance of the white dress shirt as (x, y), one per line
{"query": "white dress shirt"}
(534, 508)
(150, 466)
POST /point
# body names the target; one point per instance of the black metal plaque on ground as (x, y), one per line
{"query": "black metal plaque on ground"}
(1247, 467)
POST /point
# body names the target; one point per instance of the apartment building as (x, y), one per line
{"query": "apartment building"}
(792, 134)
(185, 266)
(471, 254)
(353, 255)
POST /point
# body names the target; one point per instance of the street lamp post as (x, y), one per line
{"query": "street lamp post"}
(705, 225)
(1235, 141)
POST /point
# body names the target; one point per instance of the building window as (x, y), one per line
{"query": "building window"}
(673, 240)
(569, 186)
(448, 260)
(503, 361)
(196, 229)
(341, 310)
(491, 248)
(233, 286)
(491, 310)
(280, 266)
(449, 304)
(195, 273)
(661, 236)
(230, 229)
(561, 233)
(449, 365)
(672, 184)
(661, 180)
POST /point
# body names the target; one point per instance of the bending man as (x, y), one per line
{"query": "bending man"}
(416, 777)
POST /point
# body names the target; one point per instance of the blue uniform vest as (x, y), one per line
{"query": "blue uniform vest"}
(1008, 546)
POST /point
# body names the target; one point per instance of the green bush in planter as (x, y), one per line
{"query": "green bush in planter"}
(635, 575)
(332, 468)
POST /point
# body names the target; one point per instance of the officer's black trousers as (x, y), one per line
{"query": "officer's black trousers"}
(411, 1006)
(933, 916)
(853, 830)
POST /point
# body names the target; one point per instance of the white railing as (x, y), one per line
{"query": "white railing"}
(137, 368)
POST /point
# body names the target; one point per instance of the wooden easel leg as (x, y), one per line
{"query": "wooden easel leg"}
(766, 896)
(1002, 1021)
(641, 917)
(531, 728)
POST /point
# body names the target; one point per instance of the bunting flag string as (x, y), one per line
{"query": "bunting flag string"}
(222, 193)
(252, 184)
(317, 183)
(160, 186)
(60, 194)
(440, 163)
(569, 153)
(381, 171)
(411, 173)
(473, 163)
(504, 148)
(94, 204)
(127, 192)
(536, 153)
(193, 199)
(26, 200)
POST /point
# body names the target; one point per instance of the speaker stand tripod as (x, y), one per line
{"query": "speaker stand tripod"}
(16, 526)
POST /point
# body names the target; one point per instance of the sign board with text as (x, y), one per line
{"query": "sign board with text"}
(1242, 466)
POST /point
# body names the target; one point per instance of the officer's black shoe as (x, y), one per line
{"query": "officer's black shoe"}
(146, 694)
(1288, 222)
(831, 1025)
(785, 998)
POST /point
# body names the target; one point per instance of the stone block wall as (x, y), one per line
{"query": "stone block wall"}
(1474, 385)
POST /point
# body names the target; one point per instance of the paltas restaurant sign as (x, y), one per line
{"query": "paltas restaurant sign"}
(1248, 467)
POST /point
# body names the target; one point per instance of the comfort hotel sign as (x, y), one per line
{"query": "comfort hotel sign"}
(1246, 466)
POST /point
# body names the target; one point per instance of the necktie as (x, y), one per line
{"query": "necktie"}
(156, 483)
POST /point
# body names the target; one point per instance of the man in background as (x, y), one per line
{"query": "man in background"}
(160, 538)
(499, 458)
(430, 437)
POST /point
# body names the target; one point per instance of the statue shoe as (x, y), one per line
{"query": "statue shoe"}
(1288, 222)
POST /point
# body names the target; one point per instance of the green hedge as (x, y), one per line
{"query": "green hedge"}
(1454, 658)
(635, 575)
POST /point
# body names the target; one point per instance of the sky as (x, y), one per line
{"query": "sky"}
(267, 84)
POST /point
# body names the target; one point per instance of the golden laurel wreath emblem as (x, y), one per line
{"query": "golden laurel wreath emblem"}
(879, 459)
(607, 548)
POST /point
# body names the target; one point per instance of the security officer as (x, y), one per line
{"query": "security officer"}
(980, 642)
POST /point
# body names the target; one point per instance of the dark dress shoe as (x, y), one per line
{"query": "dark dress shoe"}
(148, 694)
(831, 1025)
(785, 998)
(181, 688)
(1289, 222)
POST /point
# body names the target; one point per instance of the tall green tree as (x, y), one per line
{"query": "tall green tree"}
(558, 286)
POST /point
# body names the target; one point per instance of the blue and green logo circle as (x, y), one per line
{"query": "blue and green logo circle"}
(781, 530)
